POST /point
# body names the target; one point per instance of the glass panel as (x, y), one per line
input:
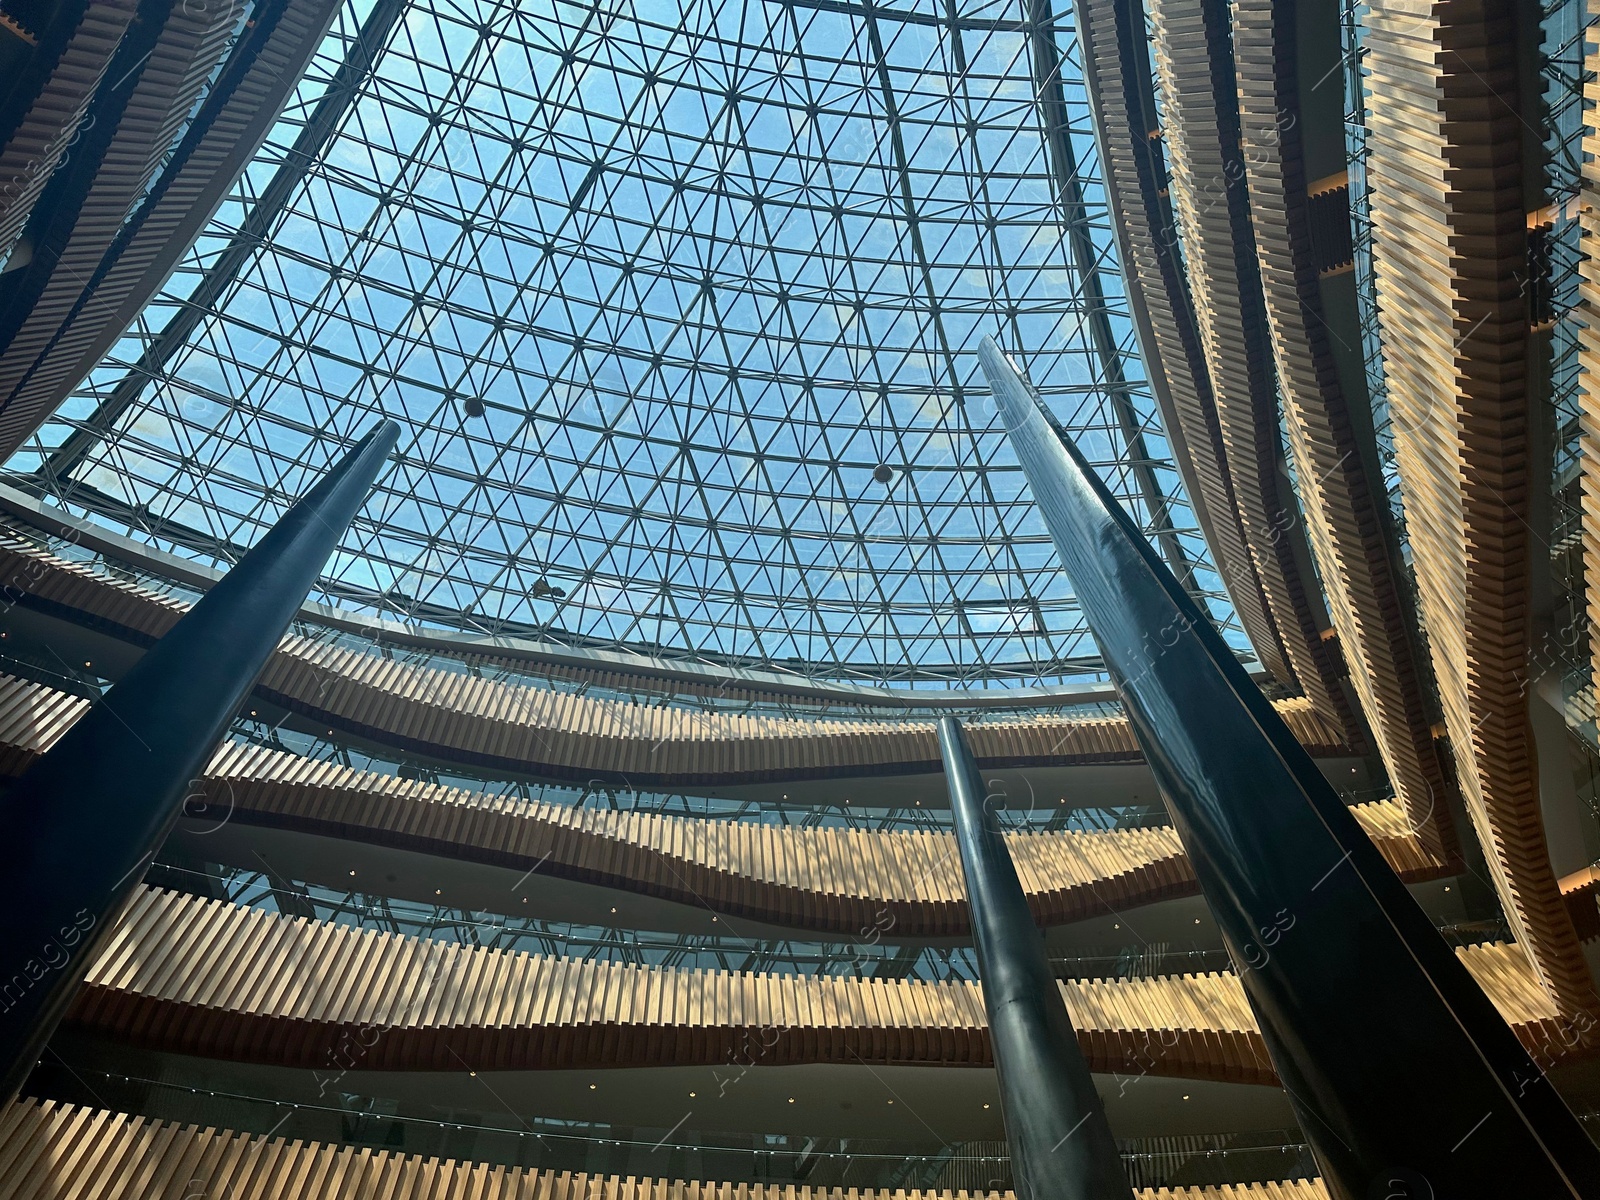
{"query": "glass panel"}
(678, 305)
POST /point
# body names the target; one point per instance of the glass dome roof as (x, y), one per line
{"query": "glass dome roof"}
(678, 306)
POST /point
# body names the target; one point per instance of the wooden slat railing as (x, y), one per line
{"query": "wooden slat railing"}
(206, 977)
(54, 1151)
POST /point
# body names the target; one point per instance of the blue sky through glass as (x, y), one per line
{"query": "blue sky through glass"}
(678, 305)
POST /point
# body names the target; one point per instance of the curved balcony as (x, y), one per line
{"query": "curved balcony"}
(458, 716)
(204, 977)
(55, 1151)
(830, 880)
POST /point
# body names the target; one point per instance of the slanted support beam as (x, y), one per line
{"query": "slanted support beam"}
(1056, 1125)
(1332, 950)
(83, 822)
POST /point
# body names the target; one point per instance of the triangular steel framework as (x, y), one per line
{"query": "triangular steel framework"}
(713, 276)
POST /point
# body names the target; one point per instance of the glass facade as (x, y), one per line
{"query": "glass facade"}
(678, 306)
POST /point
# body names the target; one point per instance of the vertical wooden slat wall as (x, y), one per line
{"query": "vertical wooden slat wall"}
(1195, 74)
(835, 879)
(1342, 505)
(445, 712)
(52, 121)
(1589, 346)
(209, 977)
(186, 51)
(1158, 296)
(1449, 239)
(54, 1151)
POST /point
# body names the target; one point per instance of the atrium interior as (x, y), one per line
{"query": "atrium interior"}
(656, 454)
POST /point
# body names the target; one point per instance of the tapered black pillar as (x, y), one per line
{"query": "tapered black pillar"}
(1406, 1079)
(1061, 1146)
(78, 828)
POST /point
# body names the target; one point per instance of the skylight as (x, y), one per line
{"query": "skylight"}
(679, 307)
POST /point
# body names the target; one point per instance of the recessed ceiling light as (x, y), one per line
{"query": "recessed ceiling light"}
(791, 1099)
(593, 1086)
(986, 1106)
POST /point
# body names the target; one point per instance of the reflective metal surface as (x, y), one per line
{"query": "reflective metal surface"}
(83, 821)
(1056, 1125)
(1406, 1080)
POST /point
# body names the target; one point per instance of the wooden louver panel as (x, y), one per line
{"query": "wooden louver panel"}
(1342, 504)
(55, 1151)
(1449, 247)
(1195, 70)
(1116, 71)
(515, 726)
(196, 976)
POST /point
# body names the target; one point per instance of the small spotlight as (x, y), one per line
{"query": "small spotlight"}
(791, 1099)
(87, 663)
(472, 1074)
(1197, 920)
(595, 1086)
(691, 1095)
(891, 1102)
(474, 406)
(883, 472)
(1186, 1097)
(986, 1106)
(613, 910)
(352, 871)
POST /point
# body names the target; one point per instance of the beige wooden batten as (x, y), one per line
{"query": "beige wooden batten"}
(1195, 74)
(195, 976)
(54, 118)
(1343, 505)
(837, 880)
(62, 348)
(1449, 248)
(170, 79)
(1158, 300)
(54, 1151)
(459, 716)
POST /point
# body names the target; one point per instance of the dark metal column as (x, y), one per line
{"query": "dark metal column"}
(1407, 1081)
(1061, 1146)
(78, 828)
